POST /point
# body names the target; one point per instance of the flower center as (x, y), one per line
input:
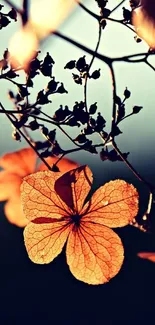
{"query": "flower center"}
(76, 219)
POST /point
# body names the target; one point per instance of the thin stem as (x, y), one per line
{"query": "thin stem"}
(127, 58)
(115, 8)
(91, 13)
(150, 65)
(145, 217)
(134, 171)
(67, 135)
(123, 118)
(113, 123)
(120, 22)
(84, 48)
(90, 65)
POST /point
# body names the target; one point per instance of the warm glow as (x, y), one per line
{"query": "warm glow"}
(22, 46)
(45, 17)
(145, 25)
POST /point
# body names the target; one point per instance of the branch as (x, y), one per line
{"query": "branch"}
(25, 15)
(101, 57)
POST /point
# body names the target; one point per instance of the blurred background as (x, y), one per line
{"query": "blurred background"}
(49, 294)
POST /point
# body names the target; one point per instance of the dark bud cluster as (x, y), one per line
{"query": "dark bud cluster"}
(111, 155)
(81, 138)
(82, 70)
(13, 14)
(127, 93)
(34, 125)
(61, 114)
(70, 65)
(136, 109)
(79, 113)
(121, 110)
(137, 39)
(104, 12)
(47, 65)
(4, 18)
(42, 98)
(52, 146)
(16, 135)
(95, 74)
(127, 15)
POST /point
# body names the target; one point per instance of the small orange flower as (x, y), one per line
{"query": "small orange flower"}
(147, 256)
(17, 165)
(55, 206)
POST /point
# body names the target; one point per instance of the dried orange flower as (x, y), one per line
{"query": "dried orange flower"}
(144, 21)
(55, 206)
(17, 165)
(147, 255)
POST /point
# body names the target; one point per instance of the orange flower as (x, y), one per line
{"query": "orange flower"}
(55, 206)
(147, 255)
(17, 165)
(144, 21)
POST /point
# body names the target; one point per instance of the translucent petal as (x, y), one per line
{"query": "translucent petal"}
(114, 205)
(94, 253)
(44, 241)
(39, 199)
(74, 186)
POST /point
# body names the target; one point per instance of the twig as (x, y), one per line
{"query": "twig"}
(84, 48)
(24, 136)
(115, 8)
(12, 5)
(114, 97)
(134, 171)
(91, 13)
(90, 65)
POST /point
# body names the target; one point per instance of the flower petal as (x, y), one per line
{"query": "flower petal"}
(45, 241)
(14, 213)
(147, 255)
(114, 205)
(9, 184)
(39, 198)
(94, 253)
(64, 164)
(21, 162)
(74, 186)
